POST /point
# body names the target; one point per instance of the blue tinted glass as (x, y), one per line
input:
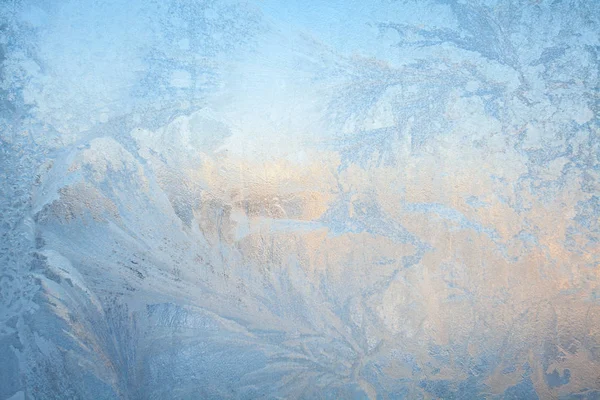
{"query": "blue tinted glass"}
(387, 199)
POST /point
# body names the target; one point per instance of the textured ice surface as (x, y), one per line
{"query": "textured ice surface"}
(299, 199)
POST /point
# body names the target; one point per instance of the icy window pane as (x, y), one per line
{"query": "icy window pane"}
(299, 199)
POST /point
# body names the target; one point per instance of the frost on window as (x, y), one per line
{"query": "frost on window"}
(299, 199)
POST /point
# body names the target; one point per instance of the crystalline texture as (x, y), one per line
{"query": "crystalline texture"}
(261, 199)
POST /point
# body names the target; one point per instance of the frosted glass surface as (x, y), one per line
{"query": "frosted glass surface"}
(309, 199)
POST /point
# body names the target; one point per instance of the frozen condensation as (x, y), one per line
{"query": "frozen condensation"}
(261, 199)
